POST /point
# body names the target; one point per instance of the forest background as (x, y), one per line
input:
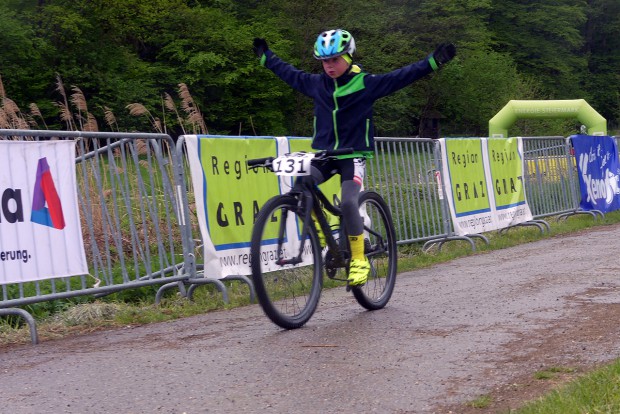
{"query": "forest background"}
(187, 66)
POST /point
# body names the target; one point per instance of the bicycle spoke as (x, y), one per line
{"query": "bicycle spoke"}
(288, 292)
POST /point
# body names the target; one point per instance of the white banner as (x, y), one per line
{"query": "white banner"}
(40, 230)
(483, 178)
(229, 195)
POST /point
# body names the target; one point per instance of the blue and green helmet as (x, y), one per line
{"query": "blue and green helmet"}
(333, 43)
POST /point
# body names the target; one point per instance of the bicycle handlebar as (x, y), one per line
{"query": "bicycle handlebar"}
(257, 162)
(340, 151)
(321, 154)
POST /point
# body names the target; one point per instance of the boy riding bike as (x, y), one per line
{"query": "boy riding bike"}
(343, 101)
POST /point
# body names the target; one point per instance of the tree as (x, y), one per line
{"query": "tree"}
(120, 52)
(21, 56)
(544, 39)
(602, 47)
(475, 88)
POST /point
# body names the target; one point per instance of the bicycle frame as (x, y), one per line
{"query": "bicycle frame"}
(312, 200)
(310, 194)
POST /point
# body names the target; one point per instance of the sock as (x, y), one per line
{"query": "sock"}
(357, 247)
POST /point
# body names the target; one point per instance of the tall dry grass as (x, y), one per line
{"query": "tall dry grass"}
(192, 121)
(75, 115)
(94, 179)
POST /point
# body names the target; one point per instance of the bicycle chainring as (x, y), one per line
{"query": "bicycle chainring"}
(333, 263)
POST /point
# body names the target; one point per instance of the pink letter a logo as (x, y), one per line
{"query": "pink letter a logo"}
(45, 191)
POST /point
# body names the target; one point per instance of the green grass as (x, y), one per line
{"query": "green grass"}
(595, 393)
(481, 402)
(551, 373)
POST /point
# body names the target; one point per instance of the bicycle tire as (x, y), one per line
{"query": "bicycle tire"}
(289, 295)
(381, 251)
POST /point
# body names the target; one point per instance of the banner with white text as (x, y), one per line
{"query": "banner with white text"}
(484, 185)
(229, 196)
(40, 230)
(598, 170)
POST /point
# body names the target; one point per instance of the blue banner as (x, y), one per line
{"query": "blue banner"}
(598, 170)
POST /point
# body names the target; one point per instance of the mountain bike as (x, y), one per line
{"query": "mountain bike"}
(287, 257)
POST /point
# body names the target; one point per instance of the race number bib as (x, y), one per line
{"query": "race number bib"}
(294, 164)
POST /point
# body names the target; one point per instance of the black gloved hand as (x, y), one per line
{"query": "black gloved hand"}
(260, 46)
(444, 53)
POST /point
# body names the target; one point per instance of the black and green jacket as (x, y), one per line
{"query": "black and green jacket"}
(343, 106)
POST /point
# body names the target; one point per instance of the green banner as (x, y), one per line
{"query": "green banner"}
(468, 183)
(506, 172)
(235, 192)
(483, 181)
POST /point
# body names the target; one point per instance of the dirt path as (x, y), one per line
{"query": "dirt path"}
(480, 325)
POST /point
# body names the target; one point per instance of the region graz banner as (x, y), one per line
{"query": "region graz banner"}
(229, 195)
(598, 170)
(40, 230)
(483, 181)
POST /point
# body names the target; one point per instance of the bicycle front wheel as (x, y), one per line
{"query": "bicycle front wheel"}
(288, 292)
(380, 249)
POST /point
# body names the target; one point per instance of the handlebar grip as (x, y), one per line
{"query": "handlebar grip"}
(258, 161)
(339, 151)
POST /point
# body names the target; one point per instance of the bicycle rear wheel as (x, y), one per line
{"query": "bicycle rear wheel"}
(288, 293)
(380, 249)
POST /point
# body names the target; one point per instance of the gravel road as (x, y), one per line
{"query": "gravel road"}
(451, 333)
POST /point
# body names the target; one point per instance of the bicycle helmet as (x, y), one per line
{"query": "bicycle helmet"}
(332, 43)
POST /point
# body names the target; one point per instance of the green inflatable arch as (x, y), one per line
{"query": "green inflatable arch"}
(574, 108)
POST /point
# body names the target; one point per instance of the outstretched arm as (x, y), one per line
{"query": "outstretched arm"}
(385, 84)
(295, 78)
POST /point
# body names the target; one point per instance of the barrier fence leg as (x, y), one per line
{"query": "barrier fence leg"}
(247, 281)
(194, 283)
(29, 320)
(439, 242)
(167, 286)
(594, 213)
(541, 224)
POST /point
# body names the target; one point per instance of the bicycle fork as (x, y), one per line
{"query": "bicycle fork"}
(305, 206)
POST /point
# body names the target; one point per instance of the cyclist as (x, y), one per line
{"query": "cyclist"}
(343, 103)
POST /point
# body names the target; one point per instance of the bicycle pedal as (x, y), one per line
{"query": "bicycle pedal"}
(331, 273)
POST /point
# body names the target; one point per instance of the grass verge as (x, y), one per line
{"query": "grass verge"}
(596, 392)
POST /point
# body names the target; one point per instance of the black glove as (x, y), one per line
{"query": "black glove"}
(444, 53)
(260, 46)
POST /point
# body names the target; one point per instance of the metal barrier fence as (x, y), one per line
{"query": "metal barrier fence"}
(404, 171)
(132, 205)
(195, 243)
(551, 182)
(549, 179)
(134, 196)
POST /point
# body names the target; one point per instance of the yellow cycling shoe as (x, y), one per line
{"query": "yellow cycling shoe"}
(358, 272)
